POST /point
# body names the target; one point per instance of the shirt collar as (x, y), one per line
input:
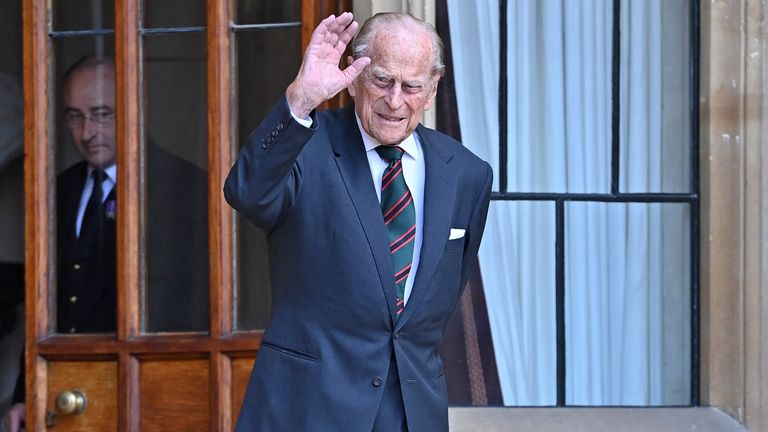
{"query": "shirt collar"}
(408, 144)
(110, 171)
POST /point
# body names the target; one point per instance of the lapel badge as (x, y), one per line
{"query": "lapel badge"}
(110, 209)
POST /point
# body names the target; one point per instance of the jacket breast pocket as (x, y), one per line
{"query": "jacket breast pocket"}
(454, 246)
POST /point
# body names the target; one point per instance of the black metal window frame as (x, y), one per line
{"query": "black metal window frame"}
(615, 195)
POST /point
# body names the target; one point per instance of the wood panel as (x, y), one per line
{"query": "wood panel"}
(174, 395)
(98, 380)
(241, 372)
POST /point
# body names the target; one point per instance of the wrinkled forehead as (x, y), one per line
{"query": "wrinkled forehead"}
(403, 48)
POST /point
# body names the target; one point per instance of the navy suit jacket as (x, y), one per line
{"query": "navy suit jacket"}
(333, 332)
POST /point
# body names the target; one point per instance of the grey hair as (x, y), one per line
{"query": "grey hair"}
(361, 45)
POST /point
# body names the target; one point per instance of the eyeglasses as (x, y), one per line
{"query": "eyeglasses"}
(97, 118)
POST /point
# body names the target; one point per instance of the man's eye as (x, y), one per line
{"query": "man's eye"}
(413, 88)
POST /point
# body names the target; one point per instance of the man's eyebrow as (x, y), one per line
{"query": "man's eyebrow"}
(100, 107)
(93, 108)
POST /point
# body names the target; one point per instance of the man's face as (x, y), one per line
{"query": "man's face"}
(397, 87)
(89, 110)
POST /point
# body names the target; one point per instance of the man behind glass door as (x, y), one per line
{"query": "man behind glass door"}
(86, 242)
(86, 215)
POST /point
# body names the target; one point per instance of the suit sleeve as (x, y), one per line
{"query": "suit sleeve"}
(476, 227)
(266, 178)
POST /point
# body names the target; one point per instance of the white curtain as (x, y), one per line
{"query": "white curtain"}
(626, 265)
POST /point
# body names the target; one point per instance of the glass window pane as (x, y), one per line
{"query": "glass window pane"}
(282, 47)
(176, 224)
(559, 96)
(174, 13)
(628, 338)
(83, 15)
(655, 97)
(517, 264)
(267, 11)
(86, 198)
(253, 298)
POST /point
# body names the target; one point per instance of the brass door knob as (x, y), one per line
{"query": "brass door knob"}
(68, 402)
(71, 402)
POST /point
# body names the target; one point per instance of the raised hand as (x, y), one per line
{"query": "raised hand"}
(320, 77)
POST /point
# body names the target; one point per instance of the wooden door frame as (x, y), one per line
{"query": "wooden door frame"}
(129, 345)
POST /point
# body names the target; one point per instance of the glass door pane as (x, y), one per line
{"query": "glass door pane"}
(176, 181)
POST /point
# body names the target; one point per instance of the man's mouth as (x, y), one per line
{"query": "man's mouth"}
(392, 119)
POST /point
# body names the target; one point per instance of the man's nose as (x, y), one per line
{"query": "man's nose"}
(394, 96)
(89, 128)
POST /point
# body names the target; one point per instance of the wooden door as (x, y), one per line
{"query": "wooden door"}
(236, 58)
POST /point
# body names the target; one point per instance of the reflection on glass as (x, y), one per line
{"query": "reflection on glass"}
(176, 225)
(174, 13)
(627, 304)
(259, 88)
(83, 15)
(86, 199)
(267, 11)
(655, 97)
(517, 263)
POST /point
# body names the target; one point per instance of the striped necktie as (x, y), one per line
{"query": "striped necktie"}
(399, 218)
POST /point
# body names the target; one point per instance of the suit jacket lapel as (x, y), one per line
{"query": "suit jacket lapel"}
(353, 165)
(439, 192)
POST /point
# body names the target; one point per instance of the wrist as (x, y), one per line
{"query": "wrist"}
(298, 103)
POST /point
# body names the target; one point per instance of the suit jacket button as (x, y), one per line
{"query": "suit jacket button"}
(274, 133)
(396, 336)
(265, 146)
(377, 382)
(73, 299)
(76, 266)
(280, 126)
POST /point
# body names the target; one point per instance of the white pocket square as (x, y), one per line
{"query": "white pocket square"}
(456, 233)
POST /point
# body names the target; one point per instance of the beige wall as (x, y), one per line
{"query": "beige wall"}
(734, 239)
(734, 346)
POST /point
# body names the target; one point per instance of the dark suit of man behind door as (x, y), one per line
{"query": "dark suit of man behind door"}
(352, 344)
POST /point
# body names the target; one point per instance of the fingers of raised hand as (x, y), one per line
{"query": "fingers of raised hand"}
(336, 31)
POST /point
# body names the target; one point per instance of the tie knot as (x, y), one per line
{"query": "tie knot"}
(98, 177)
(390, 153)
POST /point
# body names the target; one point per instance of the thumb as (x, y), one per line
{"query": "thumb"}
(356, 68)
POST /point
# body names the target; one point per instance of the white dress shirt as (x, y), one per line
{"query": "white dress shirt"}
(106, 188)
(413, 171)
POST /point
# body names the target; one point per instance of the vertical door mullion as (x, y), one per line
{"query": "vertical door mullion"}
(129, 281)
(38, 175)
(220, 234)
